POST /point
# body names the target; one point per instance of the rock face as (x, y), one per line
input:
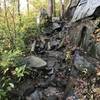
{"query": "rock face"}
(85, 8)
(81, 35)
(35, 62)
(84, 16)
(81, 14)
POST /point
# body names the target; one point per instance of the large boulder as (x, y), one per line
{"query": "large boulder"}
(82, 64)
(35, 62)
(85, 8)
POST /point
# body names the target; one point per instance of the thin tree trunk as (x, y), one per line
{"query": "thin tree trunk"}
(28, 7)
(69, 4)
(54, 8)
(19, 13)
(62, 9)
(50, 8)
(7, 23)
(0, 7)
(6, 18)
(13, 17)
(14, 28)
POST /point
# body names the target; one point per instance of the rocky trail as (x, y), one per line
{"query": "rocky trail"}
(61, 65)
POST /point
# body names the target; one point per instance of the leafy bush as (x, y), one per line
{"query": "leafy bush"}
(12, 49)
(10, 71)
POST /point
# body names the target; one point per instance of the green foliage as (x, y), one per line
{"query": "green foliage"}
(14, 36)
(5, 87)
(38, 4)
(7, 58)
(10, 71)
(3, 95)
(20, 72)
(12, 49)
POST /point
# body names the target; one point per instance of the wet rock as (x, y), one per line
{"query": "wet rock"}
(35, 62)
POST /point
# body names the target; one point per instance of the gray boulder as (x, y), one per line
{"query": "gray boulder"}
(35, 62)
(82, 64)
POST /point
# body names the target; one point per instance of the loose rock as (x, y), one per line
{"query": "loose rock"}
(35, 62)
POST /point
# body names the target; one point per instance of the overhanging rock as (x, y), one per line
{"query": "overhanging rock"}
(85, 8)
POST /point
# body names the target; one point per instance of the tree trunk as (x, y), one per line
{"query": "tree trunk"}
(13, 24)
(19, 13)
(54, 8)
(0, 7)
(7, 23)
(13, 17)
(69, 2)
(6, 18)
(28, 7)
(62, 8)
(50, 8)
